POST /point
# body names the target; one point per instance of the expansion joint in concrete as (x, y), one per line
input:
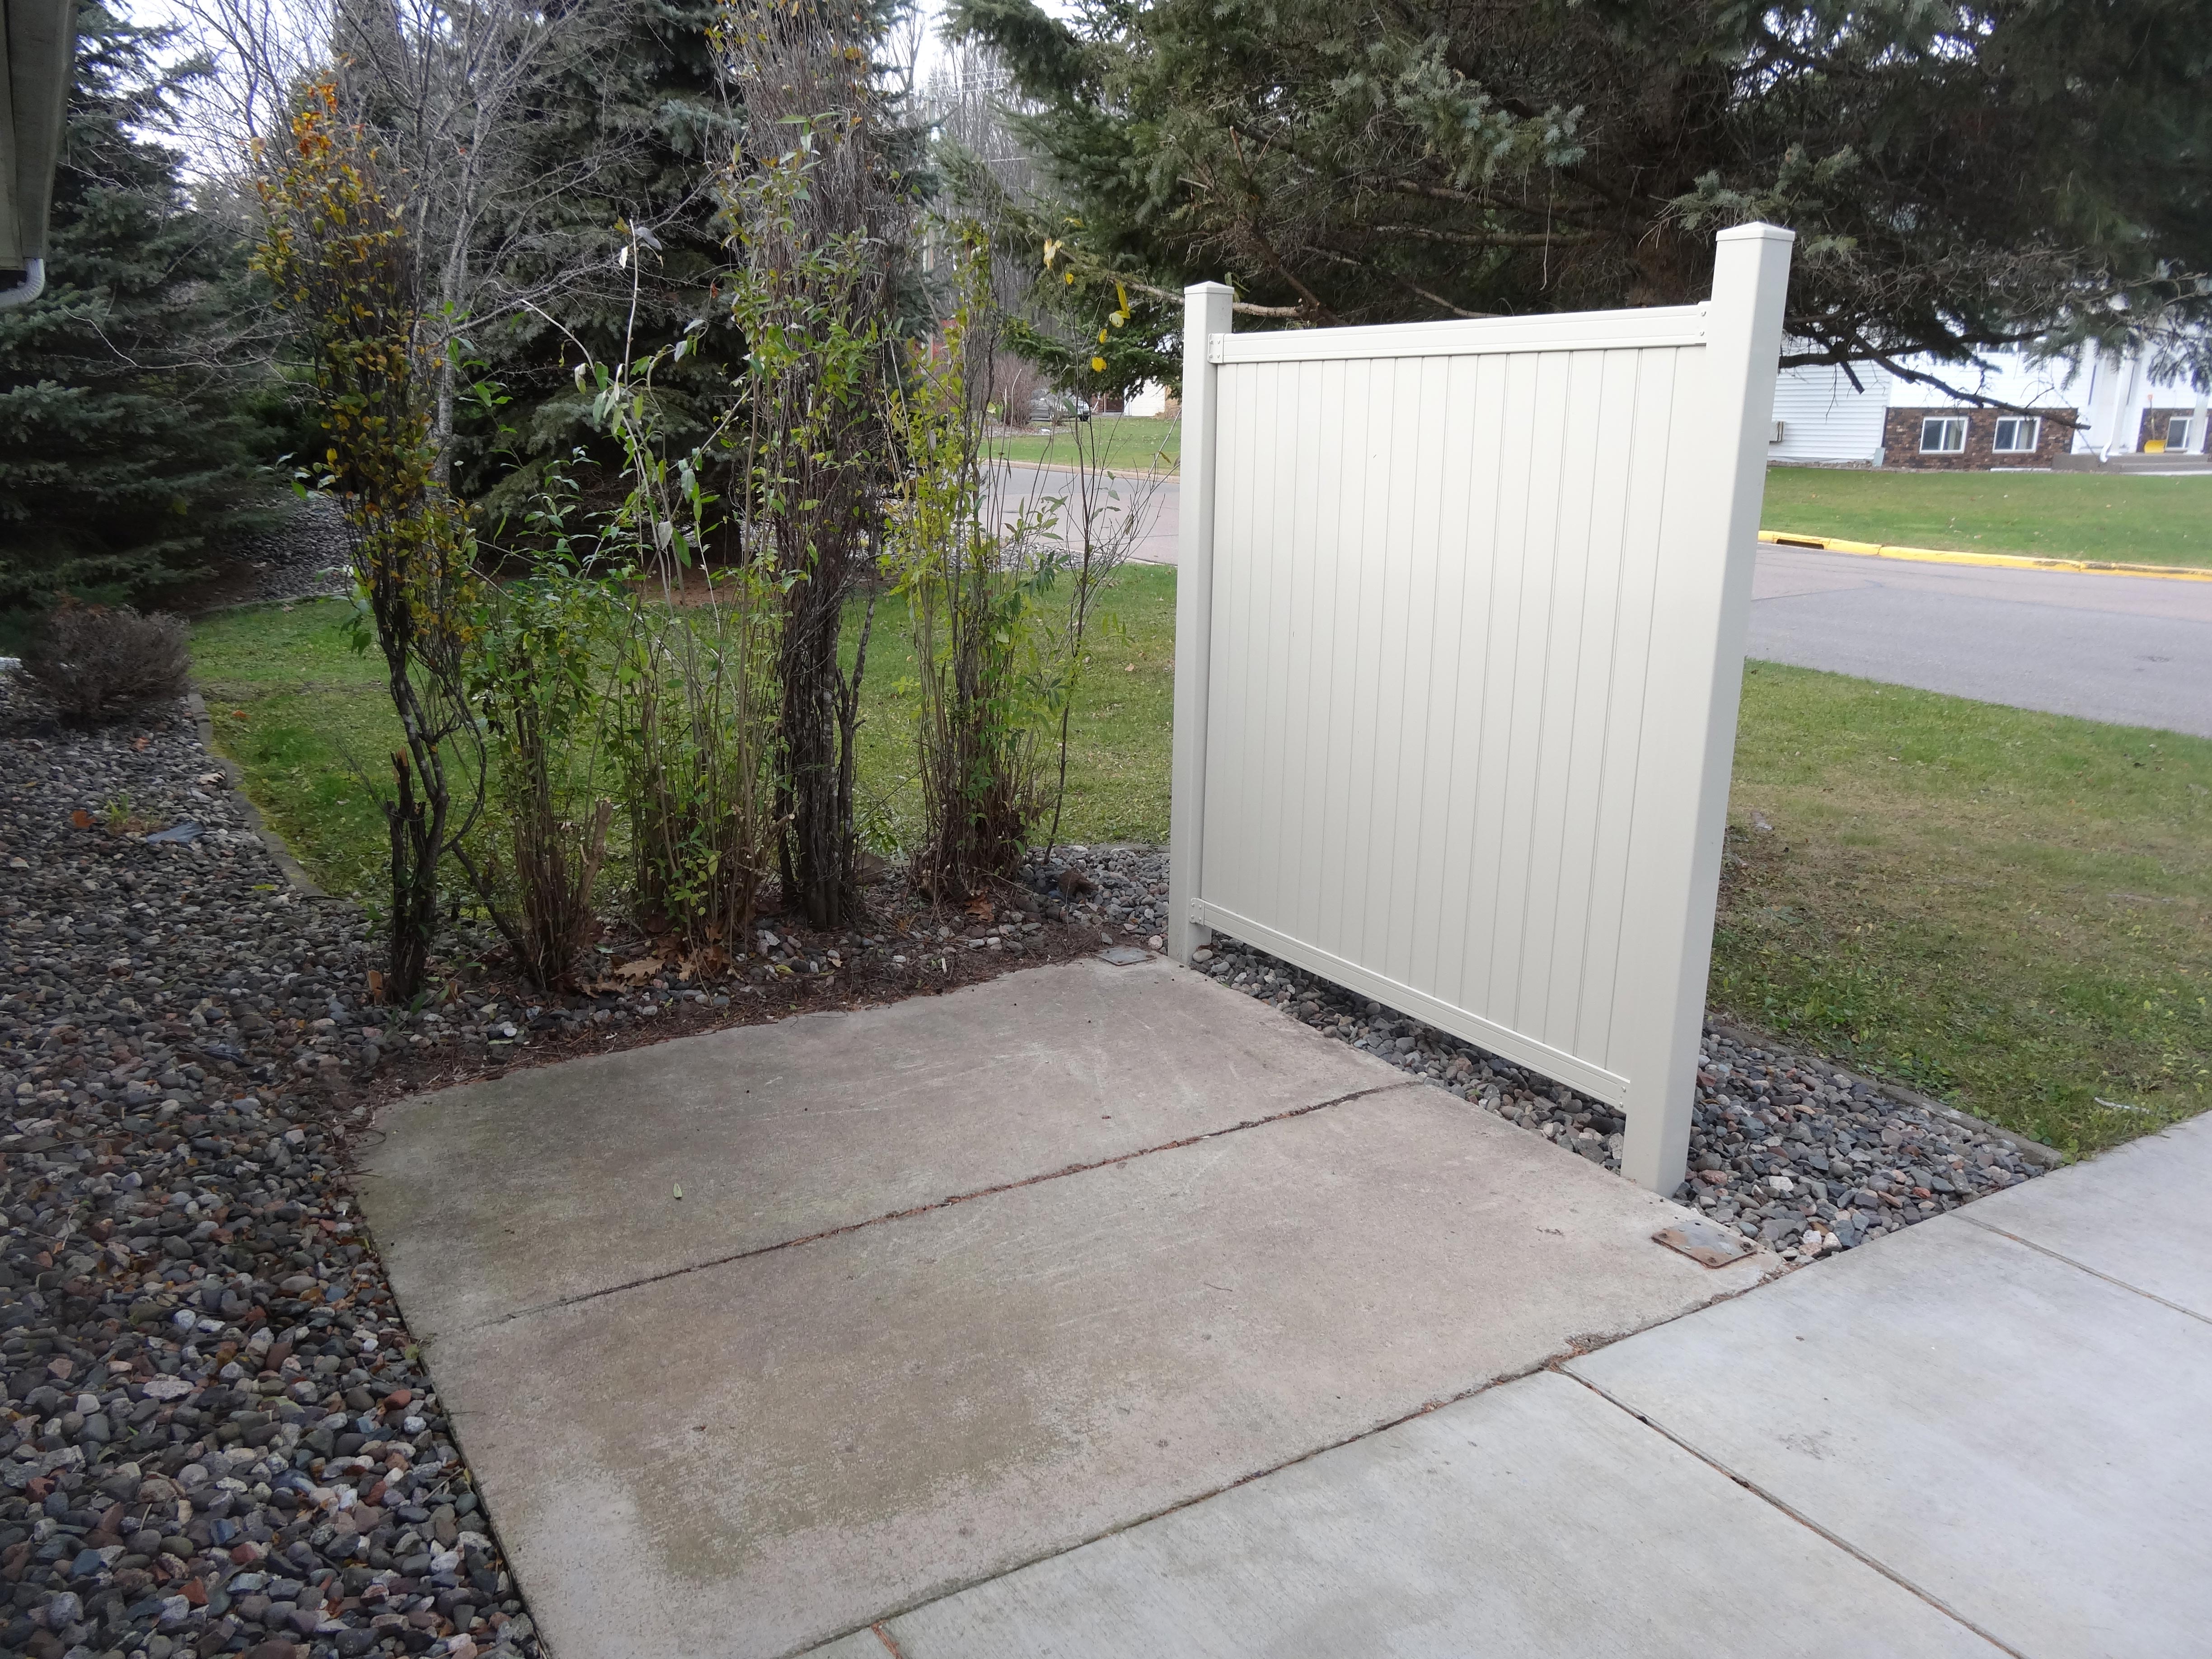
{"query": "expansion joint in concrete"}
(2083, 1266)
(880, 1627)
(969, 1197)
(1801, 1518)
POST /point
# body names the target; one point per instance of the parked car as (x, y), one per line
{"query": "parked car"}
(1051, 407)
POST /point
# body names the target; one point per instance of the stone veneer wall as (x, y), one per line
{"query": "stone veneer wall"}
(1900, 440)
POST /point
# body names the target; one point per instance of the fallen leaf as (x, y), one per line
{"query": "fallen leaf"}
(980, 907)
(679, 1190)
(81, 819)
(643, 968)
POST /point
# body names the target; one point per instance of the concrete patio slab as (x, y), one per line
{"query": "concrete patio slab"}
(2136, 1214)
(756, 1456)
(2020, 1440)
(1536, 1519)
(560, 1181)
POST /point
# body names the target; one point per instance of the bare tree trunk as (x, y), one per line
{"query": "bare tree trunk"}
(815, 215)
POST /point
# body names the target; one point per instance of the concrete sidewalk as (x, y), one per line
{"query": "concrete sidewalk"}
(1987, 1435)
(964, 1283)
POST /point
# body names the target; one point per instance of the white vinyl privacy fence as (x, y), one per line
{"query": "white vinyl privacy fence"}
(1459, 639)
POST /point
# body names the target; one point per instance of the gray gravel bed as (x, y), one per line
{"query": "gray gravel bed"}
(218, 1437)
(1792, 1151)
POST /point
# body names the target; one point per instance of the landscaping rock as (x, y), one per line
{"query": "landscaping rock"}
(189, 1312)
(1792, 1151)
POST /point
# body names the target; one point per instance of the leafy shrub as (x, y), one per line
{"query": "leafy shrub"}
(97, 663)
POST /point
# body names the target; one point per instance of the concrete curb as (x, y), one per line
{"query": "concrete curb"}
(2170, 573)
(2034, 1151)
(295, 872)
(1107, 472)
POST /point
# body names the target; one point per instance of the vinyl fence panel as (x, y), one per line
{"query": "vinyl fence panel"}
(1460, 630)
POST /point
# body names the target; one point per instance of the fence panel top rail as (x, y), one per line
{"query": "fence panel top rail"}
(1584, 331)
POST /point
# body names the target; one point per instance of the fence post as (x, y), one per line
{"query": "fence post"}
(1206, 313)
(1696, 678)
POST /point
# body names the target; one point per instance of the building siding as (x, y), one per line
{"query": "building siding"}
(1825, 420)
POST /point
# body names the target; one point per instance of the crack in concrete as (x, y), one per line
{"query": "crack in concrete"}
(844, 1228)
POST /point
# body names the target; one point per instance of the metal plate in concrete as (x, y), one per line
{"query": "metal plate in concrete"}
(2016, 1438)
(2136, 1214)
(756, 1456)
(1535, 1519)
(559, 1181)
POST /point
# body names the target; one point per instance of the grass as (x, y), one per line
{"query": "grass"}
(307, 720)
(2011, 910)
(2125, 518)
(1124, 440)
(1120, 737)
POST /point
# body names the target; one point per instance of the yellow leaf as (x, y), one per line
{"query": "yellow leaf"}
(1099, 365)
(1101, 336)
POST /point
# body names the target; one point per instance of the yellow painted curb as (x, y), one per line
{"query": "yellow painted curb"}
(2003, 561)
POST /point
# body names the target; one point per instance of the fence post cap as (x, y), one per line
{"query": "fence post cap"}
(1758, 230)
(1207, 288)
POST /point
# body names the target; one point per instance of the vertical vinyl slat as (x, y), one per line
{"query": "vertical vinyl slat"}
(1419, 397)
(1442, 837)
(1544, 946)
(1469, 894)
(1643, 508)
(1263, 848)
(1259, 846)
(1612, 425)
(1502, 661)
(1350, 881)
(1227, 826)
(1344, 516)
(1308, 751)
(1544, 412)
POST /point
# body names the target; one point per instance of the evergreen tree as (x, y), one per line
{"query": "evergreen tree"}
(1959, 176)
(124, 442)
(637, 133)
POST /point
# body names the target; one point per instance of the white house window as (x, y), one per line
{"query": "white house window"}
(2181, 435)
(1943, 435)
(2016, 434)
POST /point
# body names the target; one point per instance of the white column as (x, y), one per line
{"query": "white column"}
(1695, 678)
(1206, 313)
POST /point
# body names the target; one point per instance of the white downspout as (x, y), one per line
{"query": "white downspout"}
(33, 285)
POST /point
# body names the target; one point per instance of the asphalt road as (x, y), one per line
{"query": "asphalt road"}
(2133, 650)
(2128, 649)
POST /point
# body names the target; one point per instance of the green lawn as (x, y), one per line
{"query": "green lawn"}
(2128, 520)
(1122, 440)
(305, 720)
(2012, 910)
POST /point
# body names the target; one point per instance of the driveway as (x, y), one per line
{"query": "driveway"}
(2136, 651)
